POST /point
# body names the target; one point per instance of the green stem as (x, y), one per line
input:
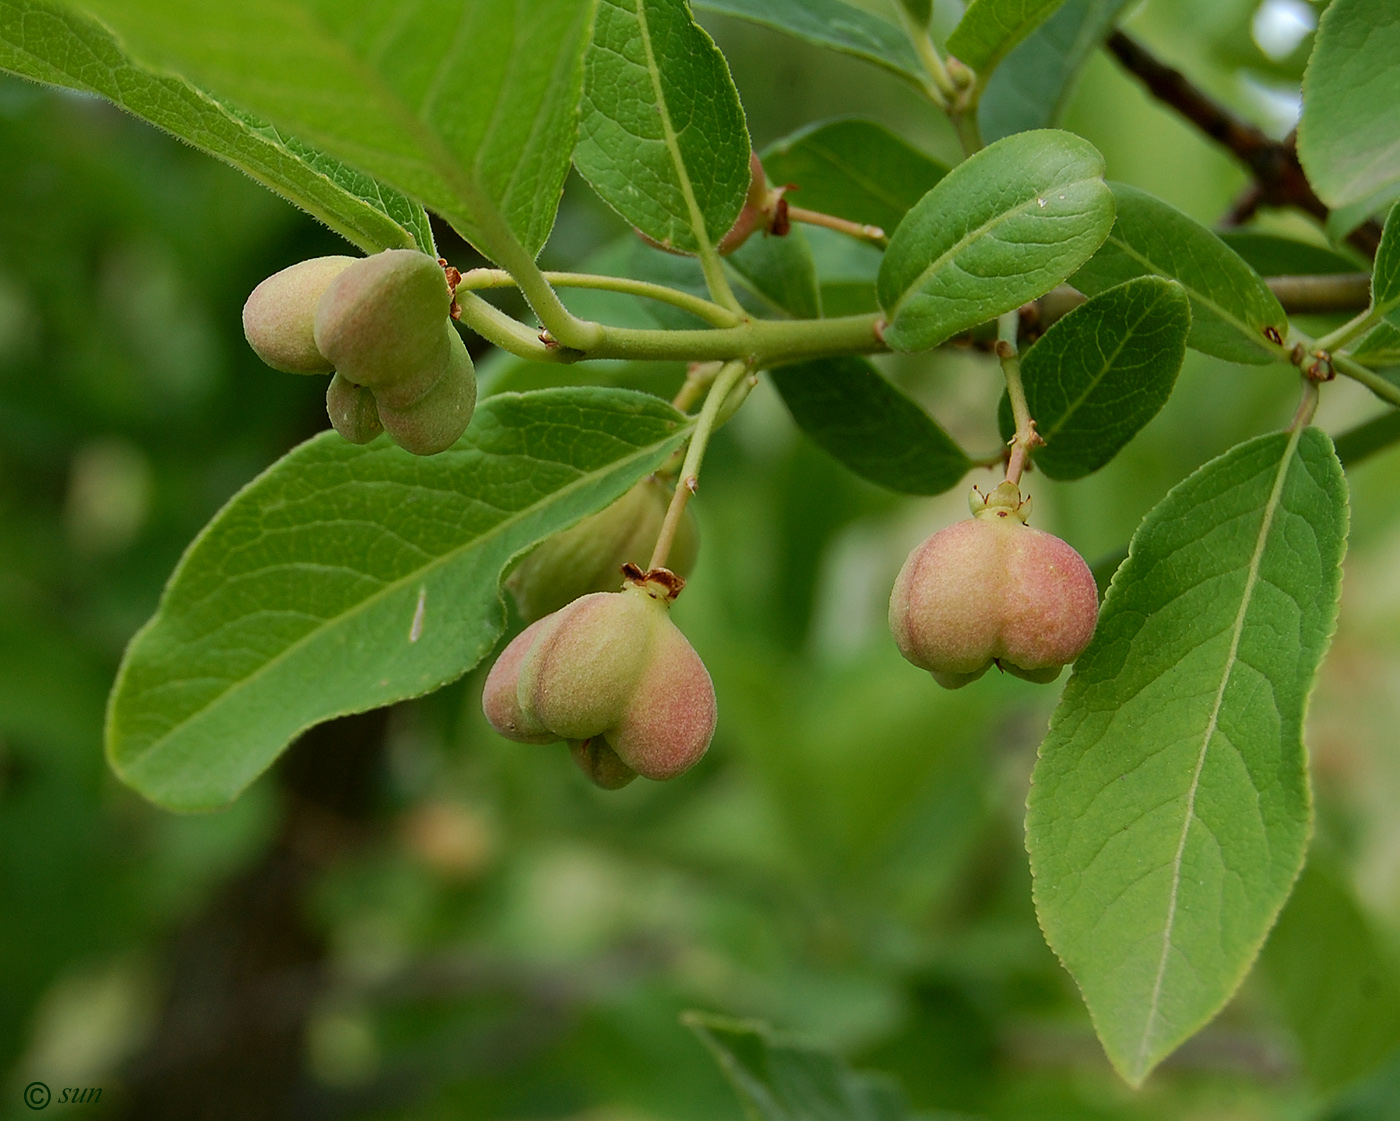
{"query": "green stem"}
(1352, 329)
(940, 88)
(479, 279)
(689, 480)
(1025, 439)
(766, 341)
(1385, 390)
(512, 336)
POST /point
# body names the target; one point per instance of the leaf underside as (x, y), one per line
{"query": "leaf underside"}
(1169, 810)
(51, 44)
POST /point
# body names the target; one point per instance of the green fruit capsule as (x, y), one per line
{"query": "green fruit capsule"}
(383, 323)
(589, 556)
(279, 317)
(352, 411)
(437, 419)
(609, 667)
(601, 764)
(993, 590)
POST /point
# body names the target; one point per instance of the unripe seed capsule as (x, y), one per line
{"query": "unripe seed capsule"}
(279, 317)
(993, 590)
(612, 669)
(383, 323)
(437, 419)
(352, 411)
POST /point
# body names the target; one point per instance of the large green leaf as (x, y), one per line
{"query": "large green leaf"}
(834, 24)
(1385, 276)
(48, 43)
(990, 28)
(1034, 85)
(1001, 228)
(854, 169)
(1169, 809)
(1232, 309)
(662, 137)
(1335, 979)
(1349, 134)
(855, 415)
(348, 577)
(777, 1080)
(1101, 373)
(468, 106)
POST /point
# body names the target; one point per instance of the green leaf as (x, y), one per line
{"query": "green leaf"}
(1033, 87)
(345, 577)
(50, 44)
(855, 415)
(469, 107)
(1101, 373)
(854, 169)
(1272, 255)
(1231, 306)
(1169, 809)
(779, 272)
(1349, 133)
(1334, 978)
(1381, 345)
(1385, 277)
(831, 23)
(776, 1080)
(662, 137)
(1003, 227)
(990, 28)
(920, 10)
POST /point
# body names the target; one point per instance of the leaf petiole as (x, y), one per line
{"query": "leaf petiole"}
(479, 279)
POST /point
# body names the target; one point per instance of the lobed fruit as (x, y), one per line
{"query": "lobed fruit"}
(383, 324)
(993, 590)
(609, 670)
(589, 556)
(279, 318)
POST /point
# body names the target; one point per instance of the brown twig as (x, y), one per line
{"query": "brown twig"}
(1278, 176)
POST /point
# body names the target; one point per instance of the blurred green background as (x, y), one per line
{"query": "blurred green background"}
(412, 918)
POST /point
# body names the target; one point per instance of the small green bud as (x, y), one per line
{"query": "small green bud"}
(992, 589)
(610, 666)
(279, 317)
(589, 556)
(352, 411)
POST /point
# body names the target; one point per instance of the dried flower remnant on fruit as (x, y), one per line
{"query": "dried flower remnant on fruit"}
(613, 676)
(993, 590)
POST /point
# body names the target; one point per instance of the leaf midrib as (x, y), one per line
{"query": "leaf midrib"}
(668, 129)
(1078, 403)
(968, 238)
(417, 574)
(1194, 292)
(1232, 656)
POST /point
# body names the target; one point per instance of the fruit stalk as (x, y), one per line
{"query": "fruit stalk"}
(689, 480)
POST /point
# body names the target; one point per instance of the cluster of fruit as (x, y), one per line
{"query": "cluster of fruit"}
(383, 324)
(604, 669)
